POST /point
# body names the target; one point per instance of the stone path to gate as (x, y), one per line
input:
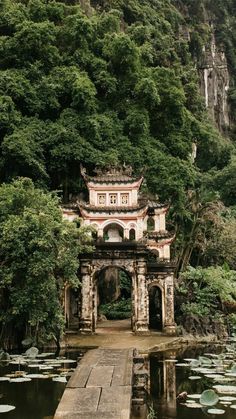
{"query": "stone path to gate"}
(100, 387)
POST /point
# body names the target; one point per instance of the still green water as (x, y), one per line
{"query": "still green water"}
(168, 380)
(36, 399)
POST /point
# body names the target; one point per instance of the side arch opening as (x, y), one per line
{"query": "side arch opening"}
(155, 308)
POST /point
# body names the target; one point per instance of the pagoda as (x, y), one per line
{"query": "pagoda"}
(130, 233)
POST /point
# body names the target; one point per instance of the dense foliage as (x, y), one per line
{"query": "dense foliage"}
(115, 81)
(208, 294)
(38, 256)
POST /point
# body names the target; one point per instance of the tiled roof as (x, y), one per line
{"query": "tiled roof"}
(113, 208)
(114, 178)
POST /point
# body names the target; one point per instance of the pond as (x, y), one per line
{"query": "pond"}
(35, 386)
(193, 371)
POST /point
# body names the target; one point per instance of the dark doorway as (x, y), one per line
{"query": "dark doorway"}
(155, 308)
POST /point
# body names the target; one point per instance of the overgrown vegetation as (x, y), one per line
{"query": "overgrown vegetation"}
(204, 294)
(117, 310)
(38, 256)
(107, 82)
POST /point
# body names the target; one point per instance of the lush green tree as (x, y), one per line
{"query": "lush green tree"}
(115, 83)
(38, 255)
(206, 293)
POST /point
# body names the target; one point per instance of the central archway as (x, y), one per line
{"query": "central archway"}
(113, 298)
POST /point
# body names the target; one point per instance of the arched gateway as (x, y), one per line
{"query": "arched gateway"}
(121, 217)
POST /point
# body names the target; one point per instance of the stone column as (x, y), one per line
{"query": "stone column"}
(100, 233)
(126, 233)
(141, 326)
(169, 325)
(86, 321)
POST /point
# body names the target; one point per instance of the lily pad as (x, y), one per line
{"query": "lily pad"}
(209, 398)
(45, 354)
(226, 403)
(182, 364)
(204, 360)
(233, 406)
(225, 389)
(20, 380)
(60, 379)
(194, 377)
(32, 352)
(194, 396)
(216, 411)
(4, 379)
(195, 363)
(193, 405)
(227, 398)
(6, 408)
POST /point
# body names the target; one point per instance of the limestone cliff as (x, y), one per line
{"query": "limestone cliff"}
(215, 82)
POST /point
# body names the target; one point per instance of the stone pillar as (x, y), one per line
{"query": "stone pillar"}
(141, 324)
(126, 233)
(86, 321)
(162, 221)
(169, 325)
(157, 222)
(100, 233)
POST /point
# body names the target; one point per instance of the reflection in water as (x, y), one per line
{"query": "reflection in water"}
(167, 381)
(163, 386)
(36, 399)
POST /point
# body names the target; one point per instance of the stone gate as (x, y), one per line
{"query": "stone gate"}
(130, 235)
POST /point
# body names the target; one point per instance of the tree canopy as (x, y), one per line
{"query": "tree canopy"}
(38, 256)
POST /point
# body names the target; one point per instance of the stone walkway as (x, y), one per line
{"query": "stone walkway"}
(100, 388)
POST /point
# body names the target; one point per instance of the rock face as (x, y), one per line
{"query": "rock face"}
(214, 83)
(203, 326)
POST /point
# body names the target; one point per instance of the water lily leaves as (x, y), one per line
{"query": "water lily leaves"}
(233, 368)
(20, 380)
(233, 406)
(204, 360)
(223, 380)
(32, 352)
(60, 379)
(195, 363)
(216, 411)
(193, 405)
(194, 396)
(6, 408)
(209, 398)
(227, 398)
(18, 362)
(45, 354)
(225, 389)
(194, 377)
(226, 403)
(4, 379)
